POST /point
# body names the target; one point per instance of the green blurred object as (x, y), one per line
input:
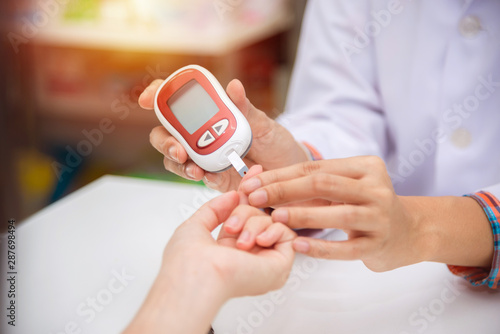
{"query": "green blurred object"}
(171, 177)
(82, 10)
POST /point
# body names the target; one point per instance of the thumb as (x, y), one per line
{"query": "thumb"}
(213, 213)
(255, 117)
(260, 123)
(237, 94)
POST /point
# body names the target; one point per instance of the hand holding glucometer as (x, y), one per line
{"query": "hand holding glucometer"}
(192, 105)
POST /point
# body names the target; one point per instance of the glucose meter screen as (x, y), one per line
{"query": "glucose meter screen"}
(192, 106)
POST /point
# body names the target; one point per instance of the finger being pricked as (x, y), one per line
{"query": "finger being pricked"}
(275, 233)
(242, 227)
(239, 217)
(253, 227)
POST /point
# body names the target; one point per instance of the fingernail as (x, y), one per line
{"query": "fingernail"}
(251, 185)
(172, 151)
(301, 246)
(190, 171)
(232, 222)
(280, 216)
(244, 237)
(148, 90)
(258, 198)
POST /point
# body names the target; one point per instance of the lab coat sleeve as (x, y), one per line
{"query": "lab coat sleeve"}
(494, 190)
(333, 102)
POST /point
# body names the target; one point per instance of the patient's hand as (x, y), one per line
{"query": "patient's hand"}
(198, 275)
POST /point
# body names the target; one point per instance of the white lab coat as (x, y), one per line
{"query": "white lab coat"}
(421, 89)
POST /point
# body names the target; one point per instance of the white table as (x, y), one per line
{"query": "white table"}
(86, 263)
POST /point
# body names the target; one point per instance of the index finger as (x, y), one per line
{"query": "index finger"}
(349, 167)
(147, 98)
(253, 171)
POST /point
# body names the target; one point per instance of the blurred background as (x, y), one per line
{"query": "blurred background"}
(72, 70)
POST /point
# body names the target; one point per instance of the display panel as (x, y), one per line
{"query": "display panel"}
(192, 106)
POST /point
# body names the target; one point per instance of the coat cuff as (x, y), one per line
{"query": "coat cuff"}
(312, 152)
(485, 276)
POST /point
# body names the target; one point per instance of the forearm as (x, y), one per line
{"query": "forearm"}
(451, 230)
(179, 304)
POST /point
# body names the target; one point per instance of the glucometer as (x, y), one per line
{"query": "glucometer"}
(192, 105)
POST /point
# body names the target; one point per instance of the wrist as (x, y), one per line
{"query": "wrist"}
(424, 235)
(291, 151)
(180, 301)
(451, 230)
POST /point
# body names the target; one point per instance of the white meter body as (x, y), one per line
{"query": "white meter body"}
(192, 105)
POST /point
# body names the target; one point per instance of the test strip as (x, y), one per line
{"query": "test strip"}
(238, 163)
